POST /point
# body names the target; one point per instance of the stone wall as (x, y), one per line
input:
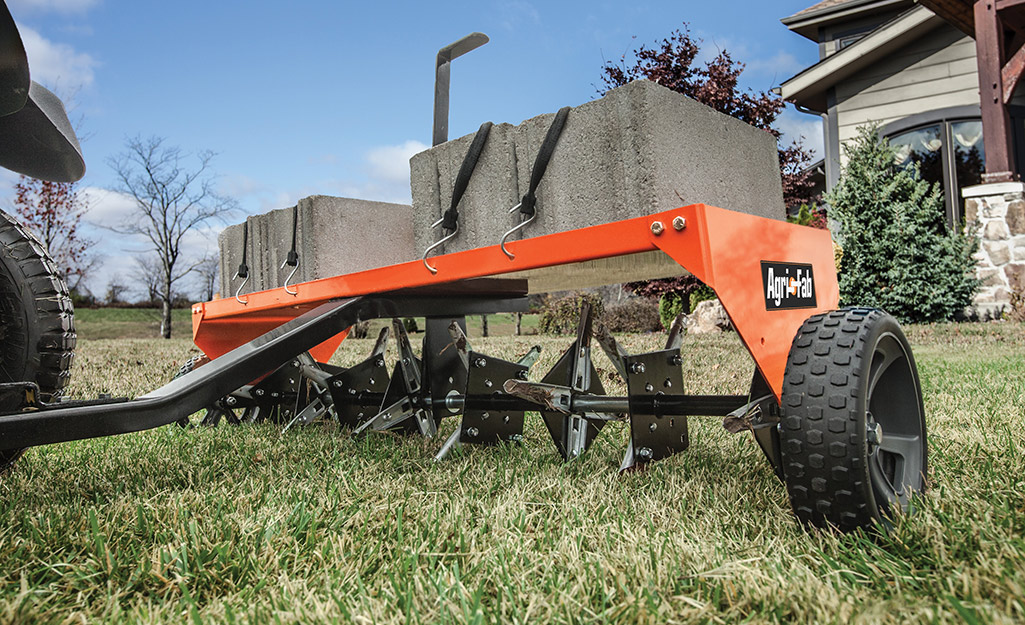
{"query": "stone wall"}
(999, 211)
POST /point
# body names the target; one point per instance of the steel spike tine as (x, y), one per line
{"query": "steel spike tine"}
(382, 342)
(450, 443)
(676, 329)
(531, 357)
(612, 349)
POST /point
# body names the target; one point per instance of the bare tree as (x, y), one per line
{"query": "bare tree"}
(207, 270)
(171, 200)
(147, 276)
(116, 291)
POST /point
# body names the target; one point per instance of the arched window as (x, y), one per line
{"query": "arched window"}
(947, 144)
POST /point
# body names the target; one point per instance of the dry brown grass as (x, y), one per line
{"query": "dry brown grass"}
(243, 524)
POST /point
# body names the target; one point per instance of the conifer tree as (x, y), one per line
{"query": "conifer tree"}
(898, 252)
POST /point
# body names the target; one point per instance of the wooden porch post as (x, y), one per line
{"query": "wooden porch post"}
(996, 122)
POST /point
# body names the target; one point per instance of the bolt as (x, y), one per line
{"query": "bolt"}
(644, 452)
(652, 427)
(484, 416)
(516, 438)
(291, 380)
(352, 391)
(637, 367)
(275, 394)
(480, 363)
(231, 401)
(405, 361)
(372, 382)
(337, 384)
(488, 383)
(450, 380)
(676, 360)
(379, 362)
(648, 387)
(521, 374)
(260, 392)
(668, 383)
(472, 432)
(657, 228)
(507, 419)
(873, 433)
(295, 363)
(679, 223)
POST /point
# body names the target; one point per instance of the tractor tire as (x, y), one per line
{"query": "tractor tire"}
(37, 330)
(852, 432)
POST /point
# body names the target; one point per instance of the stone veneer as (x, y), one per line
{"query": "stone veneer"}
(999, 211)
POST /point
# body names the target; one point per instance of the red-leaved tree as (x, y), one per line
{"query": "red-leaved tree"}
(53, 211)
(671, 64)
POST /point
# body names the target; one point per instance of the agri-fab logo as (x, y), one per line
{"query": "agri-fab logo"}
(788, 285)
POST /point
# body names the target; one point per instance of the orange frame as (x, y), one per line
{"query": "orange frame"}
(723, 248)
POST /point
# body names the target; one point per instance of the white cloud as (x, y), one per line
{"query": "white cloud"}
(795, 125)
(52, 63)
(391, 162)
(780, 66)
(51, 6)
(517, 12)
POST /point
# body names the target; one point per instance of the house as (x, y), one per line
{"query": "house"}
(912, 67)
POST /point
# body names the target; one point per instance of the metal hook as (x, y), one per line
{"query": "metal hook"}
(437, 245)
(289, 278)
(514, 229)
(239, 290)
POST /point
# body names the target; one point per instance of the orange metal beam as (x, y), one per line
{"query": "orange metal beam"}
(722, 248)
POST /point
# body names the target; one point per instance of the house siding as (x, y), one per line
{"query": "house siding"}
(936, 71)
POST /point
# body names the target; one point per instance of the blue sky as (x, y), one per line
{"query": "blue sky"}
(320, 97)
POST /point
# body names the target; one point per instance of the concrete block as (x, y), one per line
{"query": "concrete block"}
(640, 149)
(335, 236)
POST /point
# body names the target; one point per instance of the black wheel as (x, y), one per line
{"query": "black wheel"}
(37, 332)
(853, 427)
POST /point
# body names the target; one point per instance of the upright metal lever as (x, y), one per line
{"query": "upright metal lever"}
(442, 74)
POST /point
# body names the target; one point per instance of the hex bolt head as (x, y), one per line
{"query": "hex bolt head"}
(488, 383)
(337, 384)
(521, 374)
(657, 228)
(676, 360)
(480, 363)
(379, 362)
(472, 432)
(679, 223)
(648, 387)
(637, 367)
(652, 427)
(295, 363)
(231, 401)
(873, 433)
(644, 452)
(485, 415)
(352, 391)
(260, 392)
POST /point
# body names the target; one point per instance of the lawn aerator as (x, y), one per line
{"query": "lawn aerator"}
(834, 401)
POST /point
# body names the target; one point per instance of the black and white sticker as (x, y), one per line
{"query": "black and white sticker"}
(788, 285)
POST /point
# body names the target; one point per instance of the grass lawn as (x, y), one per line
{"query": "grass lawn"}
(246, 525)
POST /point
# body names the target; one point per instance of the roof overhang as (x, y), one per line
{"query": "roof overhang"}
(807, 23)
(808, 89)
